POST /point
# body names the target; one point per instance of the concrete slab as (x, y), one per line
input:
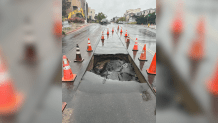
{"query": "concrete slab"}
(112, 102)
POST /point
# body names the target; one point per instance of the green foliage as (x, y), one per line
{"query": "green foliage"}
(63, 33)
(133, 23)
(121, 19)
(65, 6)
(150, 18)
(100, 16)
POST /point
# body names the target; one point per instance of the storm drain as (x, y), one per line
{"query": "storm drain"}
(114, 67)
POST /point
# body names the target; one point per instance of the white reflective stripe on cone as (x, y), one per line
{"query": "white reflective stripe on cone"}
(77, 52)
(66, 67)
(65, 61)
(3, 77)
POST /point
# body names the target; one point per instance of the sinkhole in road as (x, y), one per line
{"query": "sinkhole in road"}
(115, 67)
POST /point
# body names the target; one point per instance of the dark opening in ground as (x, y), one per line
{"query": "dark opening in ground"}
(115, 68)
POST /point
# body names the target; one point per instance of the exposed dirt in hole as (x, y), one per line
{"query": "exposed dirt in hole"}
(115, 70)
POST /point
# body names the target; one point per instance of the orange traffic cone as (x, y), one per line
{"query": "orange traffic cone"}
(212, 87)
(68, 74)
(121, 31)
(127, 40)
(78, 55)
(212, 84)
(135, 48)
(143, 54)
(89, 49)
(102, 37)
(113, 29)
(107, 31)
(177, 26)
(196, 52)
(126, 34)
(118, 27)
(152, 68)
(10, 100)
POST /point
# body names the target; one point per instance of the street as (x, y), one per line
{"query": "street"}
(90, 100)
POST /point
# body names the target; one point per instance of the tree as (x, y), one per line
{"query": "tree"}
(100, 16)
(65, 6)
(121, 19)
(150, 18)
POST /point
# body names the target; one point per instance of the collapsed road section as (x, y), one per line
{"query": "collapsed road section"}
(111, 89)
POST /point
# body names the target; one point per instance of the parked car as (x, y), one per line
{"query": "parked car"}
(104, 21)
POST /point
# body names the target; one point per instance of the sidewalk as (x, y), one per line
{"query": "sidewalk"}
(75, 27)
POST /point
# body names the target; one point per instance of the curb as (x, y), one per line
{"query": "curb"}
(77, 29)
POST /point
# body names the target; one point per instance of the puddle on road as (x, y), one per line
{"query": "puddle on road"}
(114, 68)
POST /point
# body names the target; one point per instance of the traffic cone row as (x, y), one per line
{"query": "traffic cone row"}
(196, 52)
(152, 68)
(10, 100)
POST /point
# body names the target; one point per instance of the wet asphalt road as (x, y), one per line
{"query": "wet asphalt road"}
(116, 101)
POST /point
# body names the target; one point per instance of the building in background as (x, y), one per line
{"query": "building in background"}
(91, 14)
(115, 19)
(127, 13)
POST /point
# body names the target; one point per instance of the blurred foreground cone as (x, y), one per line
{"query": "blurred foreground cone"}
(68, 74)
(78, 55)
(10, 100)
(107, 31)
(126, 34)
(57, 27)
(30, 54)
(113, 29)
(102, 37)
(121, 31)
(196, 52)
(3, 65)
(201, 26)
(89, 49)
(143, 54)
(212, 87)
(176, 29)
(135, 48)
(152, 68)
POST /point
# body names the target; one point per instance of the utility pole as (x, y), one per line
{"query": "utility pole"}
(85, 13)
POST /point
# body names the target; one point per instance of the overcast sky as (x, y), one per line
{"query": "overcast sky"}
(113, 8)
